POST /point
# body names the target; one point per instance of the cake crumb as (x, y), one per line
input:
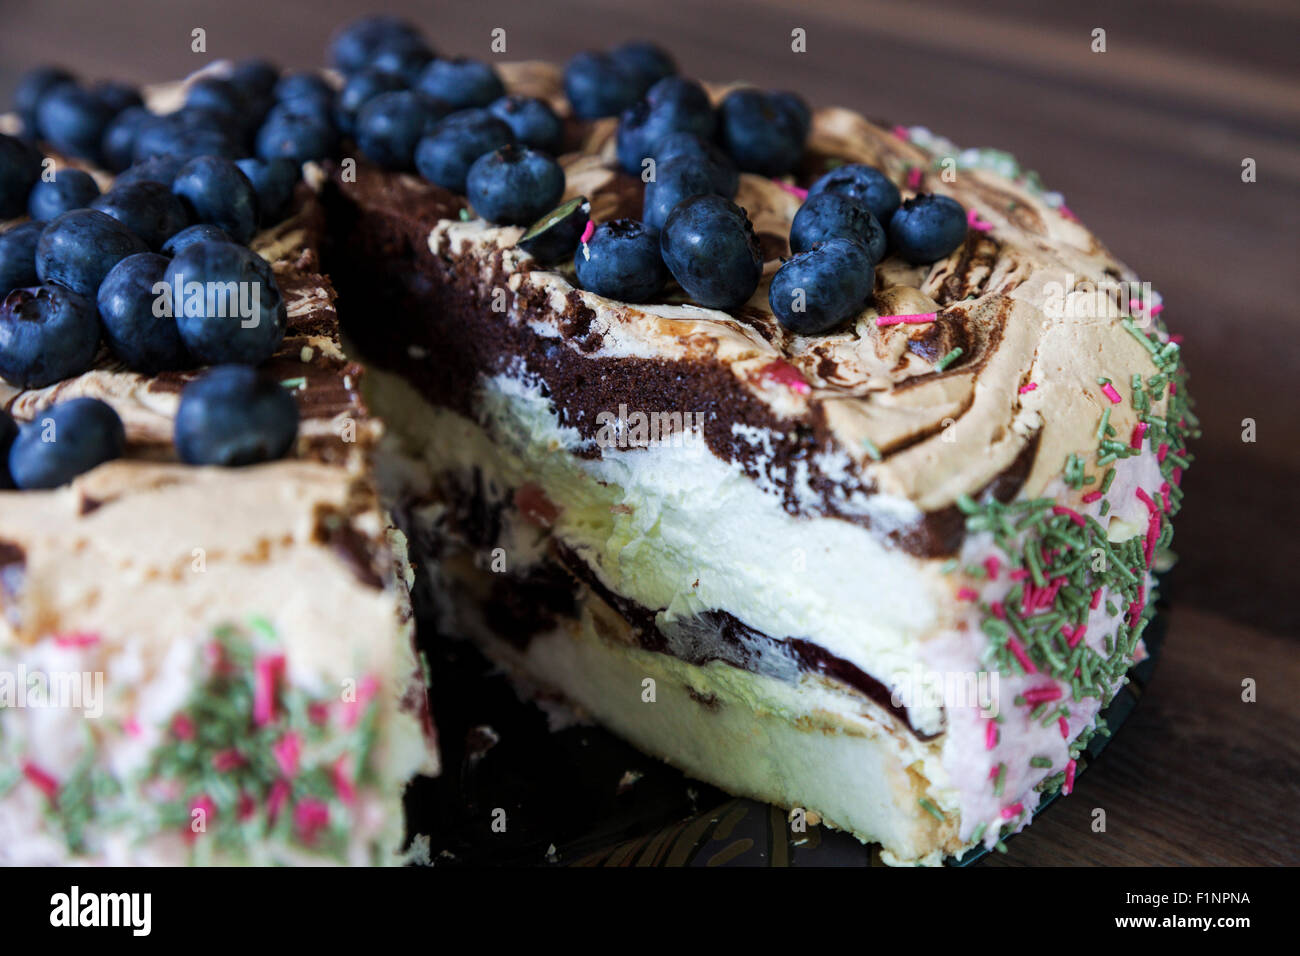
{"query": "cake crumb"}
(306, 354)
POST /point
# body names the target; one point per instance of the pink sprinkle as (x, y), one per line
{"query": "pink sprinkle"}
(1072, 640)
(914, 178)
(992, 565)
(1064, 210)
(76, 639)
(1156, 310)
(247, 806)
(1096, 599)
(1177, 476)
(1019, 574)
(226, 760)
(783, 373)
(1109, 391)
(966, 594)
(795, 191)
(286, 751)
(587, 231)
(311, 816)
(1012, 811)
(1139, 432)
(1161, 452)
(352, 709)
(1064, 726)
(1028, 388)
(1146, 500)
(917, 318)
(1021, 656)
(990, 735)
(1173, 388)
(183, 727)
(1091, 496)
(132, 726)
(1074, 515)
(975, 222)
(318, 712)
(1040, 695)
(901, 133)
(1069, 778)
(276, 798)
(268, 672)
(347, 793)
(1153, 533)
(44, 781)
(998, 610)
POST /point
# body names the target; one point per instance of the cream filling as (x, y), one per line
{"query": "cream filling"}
(674, 528)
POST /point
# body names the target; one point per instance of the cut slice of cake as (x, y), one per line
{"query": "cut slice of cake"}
(205, 664)
(888, 574)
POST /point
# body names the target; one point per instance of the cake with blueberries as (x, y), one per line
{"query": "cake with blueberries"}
(824, 460)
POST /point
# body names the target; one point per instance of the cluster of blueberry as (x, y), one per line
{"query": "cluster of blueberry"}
(690, 229)
(448, 119)
(157, 269)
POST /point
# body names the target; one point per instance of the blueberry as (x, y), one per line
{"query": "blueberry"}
(674, 181)
(64, 441)
(597, 86)
(301, 137)
(8, 432)
(231, 416)
(404, 57)
(700, 152)
(20, 169)
(320, 112)
(18, 256)
(673, 105)
(78, 248)
(514, 185)
(159, 169)
(47, 333)
(118, 146)
(866, 184)
(556, 234)
(273, 181)
(764, 134)
(73, 120)
(622, 261)
(927, 227)
(256, 79)
(214, 93)
(463, 83)
(353, 46)
(117, 96)
(308, 86)
(69, 189)
(139, 331)
(391, 125)
(817, 290)
(710, 248)
(827, 215)
(447, 153)
(189, 132)
(798, 107)
(32, 88)
(150, 210)
(645, 62)
(359, 90)
(215, 190)
(533, 122)
(203, 232)
(229, 308)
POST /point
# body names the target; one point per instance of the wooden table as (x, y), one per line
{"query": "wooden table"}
(1146, 140)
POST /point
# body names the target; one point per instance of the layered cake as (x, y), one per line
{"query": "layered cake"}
(826, 461)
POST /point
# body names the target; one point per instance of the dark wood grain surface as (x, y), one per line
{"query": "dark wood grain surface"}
(1146, 141)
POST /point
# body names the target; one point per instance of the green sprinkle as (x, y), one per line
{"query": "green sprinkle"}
(948, 359)
(1042, 763)
(871, 448)
(464, 214)
(948, 566)
(294, 383)
(1000, 780)
(1105, 423)
(930, 808)
(978, 832)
